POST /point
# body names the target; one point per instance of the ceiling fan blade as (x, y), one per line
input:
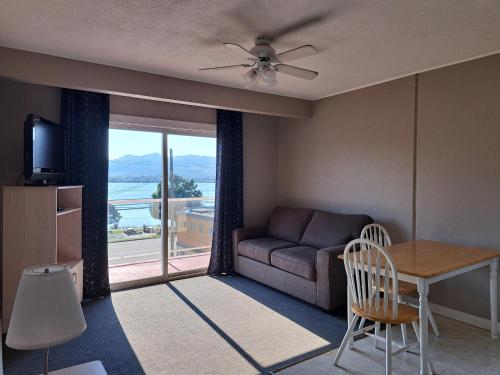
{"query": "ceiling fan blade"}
(227, 67)
(297, 53)
(296, 72)
(296, 26)
(239, 49)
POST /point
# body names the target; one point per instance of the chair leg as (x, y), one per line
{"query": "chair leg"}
(415, 329)
(429, 316)
(362, 323)
(432, 321)
(377, 333)
(388, 350)
(431, 367)
(346, 339)
(404, 334)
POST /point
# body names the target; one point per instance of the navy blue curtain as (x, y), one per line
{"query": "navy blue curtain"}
(228, 190)
(86, 117)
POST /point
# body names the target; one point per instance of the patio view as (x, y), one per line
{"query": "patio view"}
(135, 204)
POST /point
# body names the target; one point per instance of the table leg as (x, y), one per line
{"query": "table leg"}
(349, 313)
(423, 291)
(494, 298)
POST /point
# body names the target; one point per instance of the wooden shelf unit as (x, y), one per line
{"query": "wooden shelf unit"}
(34, 232)
(67, 211)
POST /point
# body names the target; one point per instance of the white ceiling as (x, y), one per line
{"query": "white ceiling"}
(360, 42)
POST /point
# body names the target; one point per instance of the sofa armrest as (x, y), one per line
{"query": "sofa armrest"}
(331, 279)
(241, 234)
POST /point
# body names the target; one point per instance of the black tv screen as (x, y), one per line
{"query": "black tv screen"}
(45, 150)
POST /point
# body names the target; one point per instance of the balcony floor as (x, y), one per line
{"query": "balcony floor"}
(140, 259)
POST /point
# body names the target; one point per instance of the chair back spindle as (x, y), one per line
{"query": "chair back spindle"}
(376, 233)
(366, 264)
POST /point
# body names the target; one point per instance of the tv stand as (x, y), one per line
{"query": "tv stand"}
(40, 225)
(41, 183)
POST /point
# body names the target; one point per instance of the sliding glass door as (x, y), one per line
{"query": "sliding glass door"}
(150, 171)
(191, 198)
(134, 222)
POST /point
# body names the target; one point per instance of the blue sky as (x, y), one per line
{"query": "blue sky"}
(123, 142)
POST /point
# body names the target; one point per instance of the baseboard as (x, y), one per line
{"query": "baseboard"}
(460, 316)
(463, 317)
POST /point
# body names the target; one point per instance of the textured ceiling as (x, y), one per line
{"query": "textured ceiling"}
(360, 42)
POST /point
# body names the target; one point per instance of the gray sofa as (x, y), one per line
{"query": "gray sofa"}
(297, 253)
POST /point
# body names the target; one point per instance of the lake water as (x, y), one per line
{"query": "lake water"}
(138, 214)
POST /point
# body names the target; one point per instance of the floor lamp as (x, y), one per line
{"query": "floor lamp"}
(46, 311)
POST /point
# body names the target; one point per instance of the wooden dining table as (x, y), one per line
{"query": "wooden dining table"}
(424, 262)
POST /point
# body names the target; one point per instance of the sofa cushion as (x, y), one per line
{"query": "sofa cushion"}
(260, 249)
(328, 229)
(300, 261)
(289, 223)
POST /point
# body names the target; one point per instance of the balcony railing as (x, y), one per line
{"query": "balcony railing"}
(189, 225)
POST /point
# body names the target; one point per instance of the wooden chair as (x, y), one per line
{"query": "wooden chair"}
(379, 235)
(368, 302)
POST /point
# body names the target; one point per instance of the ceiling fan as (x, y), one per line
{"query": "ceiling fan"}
(264, 62)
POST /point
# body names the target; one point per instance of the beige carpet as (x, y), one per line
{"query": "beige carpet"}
(228, 325)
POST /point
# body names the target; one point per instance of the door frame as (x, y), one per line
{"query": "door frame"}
(165, 127)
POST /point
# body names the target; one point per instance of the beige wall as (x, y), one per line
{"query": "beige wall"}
(458, 170)
(259, 136)
(122, 105)
(354, 156)
(259, 167)
(357, 152)
(73, 74)
(16, 101)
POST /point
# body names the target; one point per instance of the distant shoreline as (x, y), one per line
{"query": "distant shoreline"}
(149, 179)
(149, 168)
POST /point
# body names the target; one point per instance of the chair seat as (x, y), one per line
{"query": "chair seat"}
(299, 260)
(404, 288)
(406, 314)
(260, 249)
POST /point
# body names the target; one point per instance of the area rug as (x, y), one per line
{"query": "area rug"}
(226, 325)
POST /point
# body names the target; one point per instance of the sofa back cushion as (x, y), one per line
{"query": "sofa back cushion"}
(328, 229)
(288, 223)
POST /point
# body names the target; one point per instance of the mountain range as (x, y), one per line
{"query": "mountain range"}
(148, 168)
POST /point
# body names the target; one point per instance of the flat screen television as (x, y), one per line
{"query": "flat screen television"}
(44, 151)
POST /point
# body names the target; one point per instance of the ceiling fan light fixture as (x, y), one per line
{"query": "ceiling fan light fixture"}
(272, 83)
(251, 77)
(269, 76)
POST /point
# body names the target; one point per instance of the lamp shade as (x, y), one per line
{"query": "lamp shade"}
(46, 311)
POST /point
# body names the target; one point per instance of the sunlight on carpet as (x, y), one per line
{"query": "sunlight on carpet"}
(223, 326)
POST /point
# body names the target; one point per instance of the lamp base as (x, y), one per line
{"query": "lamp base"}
(89, 368)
